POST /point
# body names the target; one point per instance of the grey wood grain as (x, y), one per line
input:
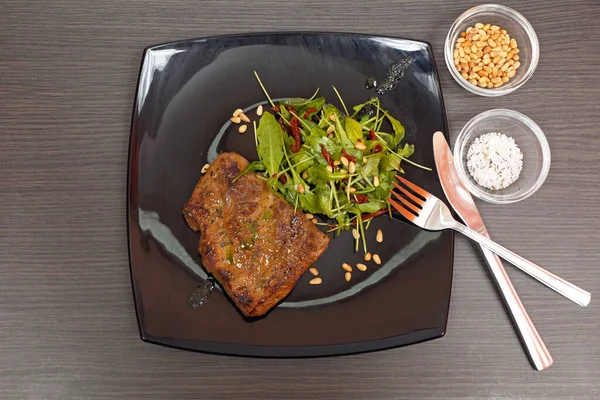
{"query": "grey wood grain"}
(67, 327)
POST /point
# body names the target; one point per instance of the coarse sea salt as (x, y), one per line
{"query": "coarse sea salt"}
(494, 160)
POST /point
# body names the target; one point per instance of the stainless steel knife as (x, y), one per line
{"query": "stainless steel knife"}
(462, 202)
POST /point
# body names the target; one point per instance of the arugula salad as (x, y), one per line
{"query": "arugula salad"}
(339, 163)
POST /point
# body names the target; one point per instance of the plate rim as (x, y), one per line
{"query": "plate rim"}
(262, 351)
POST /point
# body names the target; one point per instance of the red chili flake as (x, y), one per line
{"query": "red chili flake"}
(296, 134)
(375, 214)
(326, 156)
(349, 157)
(292, 110)
(275, 109)
(308, 111)
(282, 178)
(377, 148)
(332, 226)
(283, 126)
(372, 134)
(361, 199)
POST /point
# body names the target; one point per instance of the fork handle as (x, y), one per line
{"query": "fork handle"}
(556, 283)
(535, 346)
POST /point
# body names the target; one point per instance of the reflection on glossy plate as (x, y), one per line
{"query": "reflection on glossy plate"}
(186, 91)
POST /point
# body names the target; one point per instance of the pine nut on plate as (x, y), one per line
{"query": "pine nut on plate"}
(316, 281)
(367, 257)
(348, 276)
(243, 128)
(347, 267)
(377, 259)
(361, 267)
(313, 271)
(379, 236)
(259, 110)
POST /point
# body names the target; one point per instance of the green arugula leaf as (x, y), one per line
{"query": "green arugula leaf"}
(372, 206)
(253, 166)
(270, 143)
(354, 130)
(398, 129)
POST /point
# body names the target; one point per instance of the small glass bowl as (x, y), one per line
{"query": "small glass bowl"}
(517, 27)
(531, 141)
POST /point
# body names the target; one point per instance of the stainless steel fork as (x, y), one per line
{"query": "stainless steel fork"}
(429, 212)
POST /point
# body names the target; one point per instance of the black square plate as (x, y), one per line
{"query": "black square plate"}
(186, 91)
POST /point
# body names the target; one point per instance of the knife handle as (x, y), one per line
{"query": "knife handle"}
(538, 353)
(554, 282)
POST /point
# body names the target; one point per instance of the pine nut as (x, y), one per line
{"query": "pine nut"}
(243, 129)
(465, 75)
(315, 281)
(347, 267)
(355, 233)
(336, 163)
(314, 271)
(244, 118)
(352, 189)
(332, 117)
(205, 168)
(329, 168)
(379, 236)
(330, 136)
(309, 215)
(344, 161)
(516, 65)
(360, 146)
(330, 129)
(235, 120)
(237, 112)
(361, 267)
(367, 257)
(259, 110)
(348, 276)
(510, 74)
(300, 188)
(376, 181)
(314, 221)
(460, 40)
(352, 167)
(513, 44)
(304, 175)
(377, 259)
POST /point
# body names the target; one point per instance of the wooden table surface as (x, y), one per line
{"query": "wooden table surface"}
(68, 73)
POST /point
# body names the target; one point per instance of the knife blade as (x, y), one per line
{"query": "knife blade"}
(460, 199)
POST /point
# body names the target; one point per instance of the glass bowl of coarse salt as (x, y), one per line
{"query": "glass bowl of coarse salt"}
(491, 50)
(502, 156)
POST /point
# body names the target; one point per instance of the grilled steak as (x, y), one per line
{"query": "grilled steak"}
(251, 241)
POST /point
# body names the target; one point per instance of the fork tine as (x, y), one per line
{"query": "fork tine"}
(409, 195)
(414, 187)
(407, 214)
(403, 200)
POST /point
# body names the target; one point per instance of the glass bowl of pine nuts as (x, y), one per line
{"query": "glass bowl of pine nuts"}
(491, 50)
